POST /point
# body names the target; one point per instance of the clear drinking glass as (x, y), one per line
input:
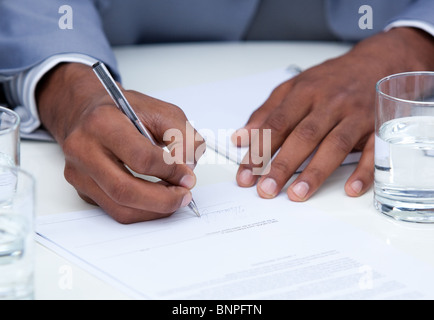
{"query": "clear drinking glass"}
(9, 137)
(17, 189)
(404, 146)
(9, 150)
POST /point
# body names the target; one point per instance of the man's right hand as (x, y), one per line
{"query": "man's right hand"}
(98, 140)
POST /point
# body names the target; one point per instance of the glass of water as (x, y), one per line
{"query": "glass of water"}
(404, 147)
(17, 190)
(9, 137)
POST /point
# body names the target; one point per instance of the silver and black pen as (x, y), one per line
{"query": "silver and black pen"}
(122, 103)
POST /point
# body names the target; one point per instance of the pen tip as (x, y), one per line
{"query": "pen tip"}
(193, 207)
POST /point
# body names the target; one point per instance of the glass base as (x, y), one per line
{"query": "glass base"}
(14, 295)
(402, 212)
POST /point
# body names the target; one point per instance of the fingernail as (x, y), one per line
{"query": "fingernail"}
(245, 177)
(357, 186)
(268, 186)
(187, 181)
(186, 200)
(301, 189)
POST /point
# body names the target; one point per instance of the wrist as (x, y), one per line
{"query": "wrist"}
(63, 94)
(417, 48)
(398, 50)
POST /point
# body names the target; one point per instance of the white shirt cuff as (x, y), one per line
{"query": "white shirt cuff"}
(425, 26)
(21, 89)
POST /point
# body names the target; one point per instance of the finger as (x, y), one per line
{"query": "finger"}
(330, 155)
(171, 128)
(115, 180)
(185, 145)
(125, 142)
(299, 145)
(362, 178)
(88, 190)
(241, 137)
(162, 200)
(127, 190)
(280, 123)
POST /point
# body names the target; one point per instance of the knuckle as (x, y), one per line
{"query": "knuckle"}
(277, 122)
(255, 114)
(86, 198)
(69, 145)
(362, 143)
(342, 142)
(307, 86)
(174, 110)
(280, 166)
(340, 97)
(307, 132)
(69, 150)
(282, 88)
(119, 192)
(171, 171)
(70, 174)
(317, 174)
(73, 145)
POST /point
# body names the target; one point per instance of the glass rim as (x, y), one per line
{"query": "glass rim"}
(403, 74)
(11, 113)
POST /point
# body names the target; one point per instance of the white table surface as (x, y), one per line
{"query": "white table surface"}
(158, 67)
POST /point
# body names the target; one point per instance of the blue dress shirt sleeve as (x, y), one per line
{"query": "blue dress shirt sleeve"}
(32, 41)
(420, 14)
(30, 33)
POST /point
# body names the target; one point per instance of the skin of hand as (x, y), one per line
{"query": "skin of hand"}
(99, 141)
(329, 108)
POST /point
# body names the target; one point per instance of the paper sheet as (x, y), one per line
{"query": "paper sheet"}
(242, 247)
(219, 108)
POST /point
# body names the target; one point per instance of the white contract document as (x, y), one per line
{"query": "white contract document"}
(218, 109)
(242, 247)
